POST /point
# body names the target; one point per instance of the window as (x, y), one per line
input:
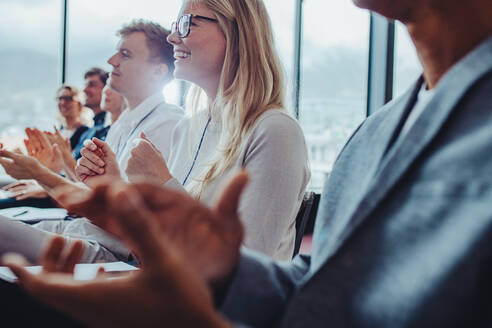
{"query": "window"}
(333, 90)
(407, 65)
(30, 34)
(92, 40)
(282, 15)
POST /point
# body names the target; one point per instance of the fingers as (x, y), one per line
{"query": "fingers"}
(60, 256)
(29, 149)
(17, 263)
(34, 140)
(137, 224)
(9, 154)
(51, 254)
(82, 172)
(93, 156)
(144, 136)
(90, 161)
(73, 256)
(43, 139)
(13, 185)
(228, 202)
(22, 196)
(57, 153)
(103, 146)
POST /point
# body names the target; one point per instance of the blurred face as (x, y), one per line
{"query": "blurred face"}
(200, 56)
(133, 68)
(112, 101)
(66, 104)
(93, 91)
(393, 9)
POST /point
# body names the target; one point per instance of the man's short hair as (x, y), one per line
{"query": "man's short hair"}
(102, 74)
(156, 36)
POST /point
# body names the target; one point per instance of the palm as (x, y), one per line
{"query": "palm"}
(166, 290)
(208, 238)
(209, 241)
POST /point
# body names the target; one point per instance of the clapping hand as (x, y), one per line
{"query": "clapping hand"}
(201, 245)
(63, 152)
(39, 147)
(97, 160)
(23, 189)
(146, 162)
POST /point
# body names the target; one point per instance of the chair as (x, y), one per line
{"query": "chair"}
(305, 217)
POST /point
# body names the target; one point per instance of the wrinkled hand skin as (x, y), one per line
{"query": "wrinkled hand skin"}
(178, 259)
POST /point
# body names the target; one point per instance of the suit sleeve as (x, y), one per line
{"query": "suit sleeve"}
(261, 289)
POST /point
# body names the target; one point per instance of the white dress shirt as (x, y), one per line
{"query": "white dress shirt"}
(156, 118)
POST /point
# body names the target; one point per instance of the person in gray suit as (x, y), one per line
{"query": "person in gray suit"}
(402, 237)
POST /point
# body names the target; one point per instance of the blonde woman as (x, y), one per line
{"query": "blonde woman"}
(226, 49)
(75, 119)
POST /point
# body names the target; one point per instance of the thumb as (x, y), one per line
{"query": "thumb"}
(144, 137)
(8, 154)
(103, 146)
(228, 202)
(16, 264)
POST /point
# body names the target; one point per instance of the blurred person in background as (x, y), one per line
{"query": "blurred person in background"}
(95, 80)
(74, 117)
(142, 65)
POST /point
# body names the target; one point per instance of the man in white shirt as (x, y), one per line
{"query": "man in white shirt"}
(142, 66)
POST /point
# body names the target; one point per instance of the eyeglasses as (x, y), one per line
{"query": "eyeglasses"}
(182, 25)
(66, 98)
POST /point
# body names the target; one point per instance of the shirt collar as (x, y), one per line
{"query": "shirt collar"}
(135, 116)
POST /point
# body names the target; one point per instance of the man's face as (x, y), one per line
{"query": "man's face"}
(132, 66)
(93, 91)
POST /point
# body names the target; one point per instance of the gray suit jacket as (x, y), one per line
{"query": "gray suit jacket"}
(403, 236)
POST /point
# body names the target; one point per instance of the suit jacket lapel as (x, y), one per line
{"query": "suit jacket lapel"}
(399, 158)
(378, 138)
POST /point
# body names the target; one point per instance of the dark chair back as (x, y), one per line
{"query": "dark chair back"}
(305, 217)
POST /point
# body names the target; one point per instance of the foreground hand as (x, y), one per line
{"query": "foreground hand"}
(166, 291)
(146, 162)
(23, 189)
(209, 239)
(19, 166)
(97, 160)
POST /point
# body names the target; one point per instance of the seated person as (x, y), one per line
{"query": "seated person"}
(243, 123)
(73, 115)
(142, 66)
(73, 125)
(29, 192)
(95, 80)
(402, 235)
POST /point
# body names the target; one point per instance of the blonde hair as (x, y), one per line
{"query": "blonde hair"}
(251, 80)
